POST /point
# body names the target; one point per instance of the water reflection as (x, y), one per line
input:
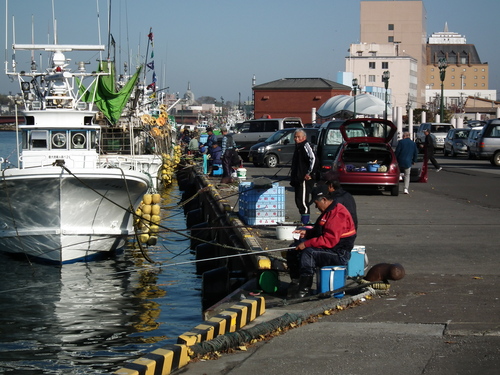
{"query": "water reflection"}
(92, 317)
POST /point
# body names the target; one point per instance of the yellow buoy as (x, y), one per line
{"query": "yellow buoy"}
(156, 198)
(155, 219)
(155, 209)
(146, 209)
(143, 237)
(147, 199)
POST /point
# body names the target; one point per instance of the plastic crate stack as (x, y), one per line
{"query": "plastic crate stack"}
(261, 206)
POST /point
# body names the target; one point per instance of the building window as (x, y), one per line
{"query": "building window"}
(371, 78)
(360, 53)
(464, 70)
(482, 70)
(452, 69)
(385, 65)
(452, 77)
(390, 26)
(482, 85)
(483, 77)
(475, 69)
(390, 39)
(371, 64)
(475, 77)
(432, 77)
(475, 85)
(373, 53)
(452, 84)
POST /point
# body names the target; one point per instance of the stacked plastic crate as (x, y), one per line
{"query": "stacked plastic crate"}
(261, 206)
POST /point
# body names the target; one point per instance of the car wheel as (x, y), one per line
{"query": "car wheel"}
(495, 160)
(271, 161)
(395, 190)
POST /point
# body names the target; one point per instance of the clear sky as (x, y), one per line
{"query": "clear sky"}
(218, 46)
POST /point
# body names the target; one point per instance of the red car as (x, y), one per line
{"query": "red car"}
(366, 158)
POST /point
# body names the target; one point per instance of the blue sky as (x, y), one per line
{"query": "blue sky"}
(218, 46)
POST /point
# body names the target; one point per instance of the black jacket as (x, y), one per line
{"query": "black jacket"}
(303, 163)
(344, 197)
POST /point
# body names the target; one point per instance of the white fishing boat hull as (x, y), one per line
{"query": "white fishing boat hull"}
(52, 215)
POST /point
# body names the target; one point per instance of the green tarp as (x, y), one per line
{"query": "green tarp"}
(108, 100)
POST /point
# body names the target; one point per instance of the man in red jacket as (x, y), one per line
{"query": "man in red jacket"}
(328, 243)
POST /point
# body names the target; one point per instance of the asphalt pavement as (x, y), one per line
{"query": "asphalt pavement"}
(441, 318)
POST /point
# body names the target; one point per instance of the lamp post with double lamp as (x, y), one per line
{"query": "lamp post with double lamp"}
(355, 89)
(385, 78)
(442, 65)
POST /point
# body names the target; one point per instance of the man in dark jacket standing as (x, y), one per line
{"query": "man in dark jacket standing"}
(406, 154)
(303, 162)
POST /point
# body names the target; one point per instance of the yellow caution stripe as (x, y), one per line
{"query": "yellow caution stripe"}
(160, 361)
(230, 320)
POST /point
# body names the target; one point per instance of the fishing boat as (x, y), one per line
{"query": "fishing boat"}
(65, 201)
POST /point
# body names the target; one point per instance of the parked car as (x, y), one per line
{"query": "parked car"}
(471, 142)
(368, 160)
(254, 131)
(279, 148)
(475, 123)
(439, 130)
(489, 142)
(455, 142)
(329, 142)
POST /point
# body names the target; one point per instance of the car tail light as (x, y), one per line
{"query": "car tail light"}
(393, 168)
(481, 144)
(326, 167)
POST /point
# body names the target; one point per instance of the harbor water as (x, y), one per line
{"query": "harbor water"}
(89, 318)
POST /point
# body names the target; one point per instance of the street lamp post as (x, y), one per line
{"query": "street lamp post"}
(442, 65)
(385, 78)
(355, 89)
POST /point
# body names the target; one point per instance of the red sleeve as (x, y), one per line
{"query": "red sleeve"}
(338, 223)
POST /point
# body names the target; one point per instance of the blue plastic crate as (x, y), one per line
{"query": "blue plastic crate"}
(263, 221)
(264, 213)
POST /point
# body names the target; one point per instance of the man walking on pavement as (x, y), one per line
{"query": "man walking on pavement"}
(429, 149)
(303, 162)
(406, 154)
(229, 156)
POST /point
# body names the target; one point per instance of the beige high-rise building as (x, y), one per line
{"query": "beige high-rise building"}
(402, 23)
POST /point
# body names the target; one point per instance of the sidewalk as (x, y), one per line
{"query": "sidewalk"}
(442, 318)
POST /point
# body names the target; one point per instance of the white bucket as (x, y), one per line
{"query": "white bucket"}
(284, 232)
(242, 173)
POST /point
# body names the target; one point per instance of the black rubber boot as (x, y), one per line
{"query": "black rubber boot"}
(305, 283)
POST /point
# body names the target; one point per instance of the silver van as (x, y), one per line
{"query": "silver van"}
(279, 148)
(488, 142)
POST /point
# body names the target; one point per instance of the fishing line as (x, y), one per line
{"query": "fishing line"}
(150, 267)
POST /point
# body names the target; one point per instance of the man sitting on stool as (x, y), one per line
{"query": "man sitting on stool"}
(328, 243)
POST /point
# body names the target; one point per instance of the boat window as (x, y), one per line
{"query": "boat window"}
(78, 140)
(58, 139)
(93, 140)
(39, 139)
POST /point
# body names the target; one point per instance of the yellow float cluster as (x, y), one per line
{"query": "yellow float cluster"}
(148, 219)
(170, 163)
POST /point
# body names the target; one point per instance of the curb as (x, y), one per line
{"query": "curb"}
(174, 356)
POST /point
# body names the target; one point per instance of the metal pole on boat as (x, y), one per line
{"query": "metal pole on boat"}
(17, 136)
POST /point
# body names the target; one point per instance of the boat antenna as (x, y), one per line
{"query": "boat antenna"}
(54, 22)
(13, 41)
(110, 37)
(99, 28)
(6, 34)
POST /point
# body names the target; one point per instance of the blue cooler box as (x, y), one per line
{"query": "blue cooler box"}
(331, 278)
(356, 265)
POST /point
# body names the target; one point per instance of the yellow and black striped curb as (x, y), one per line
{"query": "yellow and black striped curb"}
(172, 357)
(230, 320)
